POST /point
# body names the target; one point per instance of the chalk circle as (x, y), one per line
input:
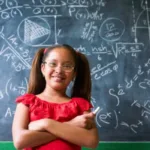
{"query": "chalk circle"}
(112, 29)
(34, 31)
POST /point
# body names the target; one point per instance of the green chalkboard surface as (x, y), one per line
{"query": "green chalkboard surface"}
(113, 34)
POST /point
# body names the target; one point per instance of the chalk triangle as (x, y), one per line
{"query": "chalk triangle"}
(33, 31)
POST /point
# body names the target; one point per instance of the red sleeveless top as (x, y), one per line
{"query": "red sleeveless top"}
(62, 112)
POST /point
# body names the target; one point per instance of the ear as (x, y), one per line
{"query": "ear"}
(43, 69)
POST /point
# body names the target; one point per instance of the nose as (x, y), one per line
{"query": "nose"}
(58, 69)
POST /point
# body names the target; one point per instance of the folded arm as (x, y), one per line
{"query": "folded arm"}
(22, 137)
(74, 131)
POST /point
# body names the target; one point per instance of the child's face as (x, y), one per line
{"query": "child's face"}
(58, 69)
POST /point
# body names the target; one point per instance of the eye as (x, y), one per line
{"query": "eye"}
(52, 64)
(67, 66)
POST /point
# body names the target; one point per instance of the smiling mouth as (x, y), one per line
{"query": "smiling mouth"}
(58, 78)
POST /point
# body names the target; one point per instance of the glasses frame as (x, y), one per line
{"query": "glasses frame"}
(71, 69)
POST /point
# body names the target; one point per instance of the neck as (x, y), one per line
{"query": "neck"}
(49, 92)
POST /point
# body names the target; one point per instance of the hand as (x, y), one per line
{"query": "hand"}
(37, 125)
(84, 121)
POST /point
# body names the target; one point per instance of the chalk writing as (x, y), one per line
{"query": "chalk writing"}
(9, 113)
(100, 71)
(20, 89)
(110, 29)
(115, 37)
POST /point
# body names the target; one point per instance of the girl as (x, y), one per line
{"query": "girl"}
(46, 118)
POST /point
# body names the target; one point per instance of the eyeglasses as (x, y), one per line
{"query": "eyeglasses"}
(65, 67)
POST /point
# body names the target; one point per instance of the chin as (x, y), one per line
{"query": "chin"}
(58, 88)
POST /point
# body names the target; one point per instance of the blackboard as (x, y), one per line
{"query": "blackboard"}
(113, 34)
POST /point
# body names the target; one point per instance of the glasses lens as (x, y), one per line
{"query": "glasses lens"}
(66, 67)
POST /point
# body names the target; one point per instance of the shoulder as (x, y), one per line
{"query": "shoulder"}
(80, 100)
(25, 99)
(25, 96)
(83, 104)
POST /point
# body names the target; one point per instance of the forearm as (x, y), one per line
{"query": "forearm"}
(28, 138)
(68, 132)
